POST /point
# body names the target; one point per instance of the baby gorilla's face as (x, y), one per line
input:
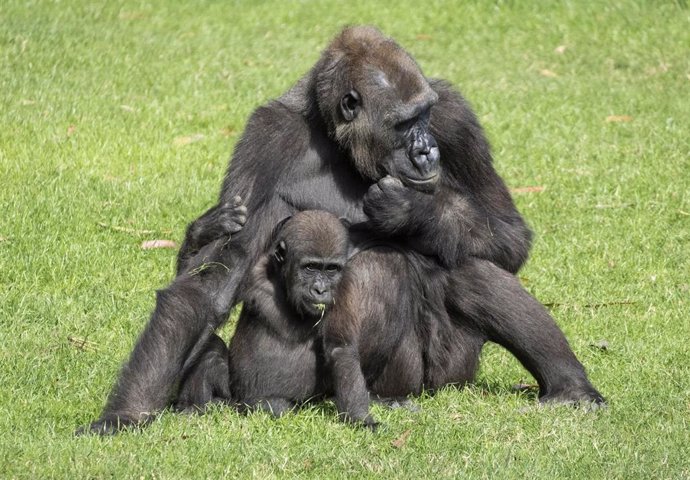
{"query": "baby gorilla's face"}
(315, 282)
(312, 251)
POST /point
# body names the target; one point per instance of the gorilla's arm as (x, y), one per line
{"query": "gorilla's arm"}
(471, 212)
(341, 331)
(197, 302)
(449, 224)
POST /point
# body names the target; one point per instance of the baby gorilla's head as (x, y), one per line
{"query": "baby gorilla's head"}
(311, 249)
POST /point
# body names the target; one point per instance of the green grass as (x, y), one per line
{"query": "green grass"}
(96, 102)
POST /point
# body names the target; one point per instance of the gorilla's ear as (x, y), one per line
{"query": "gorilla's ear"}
(279, 225)
(350, 105)
(278, 228)
(280, 251)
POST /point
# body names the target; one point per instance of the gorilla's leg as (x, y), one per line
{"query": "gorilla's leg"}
(207, 380)
(493, 301)
(403, 371)
(187, 313)
(452, 351)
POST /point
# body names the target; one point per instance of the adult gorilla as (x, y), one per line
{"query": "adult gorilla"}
(362, 115)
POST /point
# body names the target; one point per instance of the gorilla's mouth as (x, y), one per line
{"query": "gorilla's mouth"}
(315, 309)
(320, 310)
(430, 180)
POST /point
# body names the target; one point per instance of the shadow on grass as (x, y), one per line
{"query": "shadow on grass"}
(326, 406)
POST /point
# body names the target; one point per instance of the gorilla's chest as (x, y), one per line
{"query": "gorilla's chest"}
(325, 180)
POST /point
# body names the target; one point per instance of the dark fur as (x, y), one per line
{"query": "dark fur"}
(403, 322)
(276, 358)
(207, 381)
(400, 323)
(316, 148)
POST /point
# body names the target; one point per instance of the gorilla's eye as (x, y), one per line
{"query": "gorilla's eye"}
(349, 105)
(311, 267)
(405, 125)
(422, 118)
(333, 268)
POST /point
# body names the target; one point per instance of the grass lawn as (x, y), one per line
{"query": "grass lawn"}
(116, 123)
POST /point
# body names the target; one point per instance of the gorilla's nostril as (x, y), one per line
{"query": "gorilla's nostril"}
(421, 161)
(433, 156)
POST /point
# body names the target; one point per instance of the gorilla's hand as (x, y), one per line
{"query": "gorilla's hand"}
(221, 221)
(231, 217)
(389, 205)
(226, 219)
(111, 424)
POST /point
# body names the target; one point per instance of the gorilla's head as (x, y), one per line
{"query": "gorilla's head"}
(377, 104)
(310, 250)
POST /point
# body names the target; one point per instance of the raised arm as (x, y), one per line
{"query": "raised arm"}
(470, 212)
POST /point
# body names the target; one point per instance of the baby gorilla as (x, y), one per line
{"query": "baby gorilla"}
(276, 355)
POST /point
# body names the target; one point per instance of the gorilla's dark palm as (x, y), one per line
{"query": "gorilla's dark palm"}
(363, 112)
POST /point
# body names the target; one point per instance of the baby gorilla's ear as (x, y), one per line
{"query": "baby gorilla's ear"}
(280, 251)
(351, 249)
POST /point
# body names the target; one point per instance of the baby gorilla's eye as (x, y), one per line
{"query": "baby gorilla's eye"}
(333, 268)
(311, 267)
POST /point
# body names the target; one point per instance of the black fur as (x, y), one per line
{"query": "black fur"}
(207, 381)
(321, 147)
(403, 322)
(276, 359)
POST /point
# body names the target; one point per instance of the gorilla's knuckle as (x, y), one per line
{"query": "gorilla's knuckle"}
(391, 182)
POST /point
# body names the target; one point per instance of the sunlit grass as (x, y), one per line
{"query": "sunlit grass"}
(116, 123)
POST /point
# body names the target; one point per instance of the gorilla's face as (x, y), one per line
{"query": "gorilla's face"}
(311, 253)
(312, 284)
(379, 105)
(391, 136)
(414, 157)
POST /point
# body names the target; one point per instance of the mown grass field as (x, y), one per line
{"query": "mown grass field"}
(116, 123)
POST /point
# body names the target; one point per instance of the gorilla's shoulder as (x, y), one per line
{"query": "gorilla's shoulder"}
(273, 117)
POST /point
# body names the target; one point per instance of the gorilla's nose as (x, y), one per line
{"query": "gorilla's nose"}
(425, 158)
(319, 293)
